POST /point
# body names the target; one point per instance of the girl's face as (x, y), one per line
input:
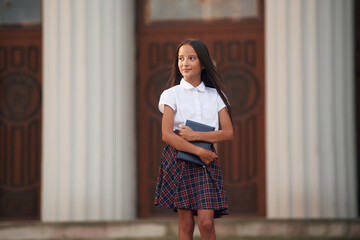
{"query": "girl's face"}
(189, 64)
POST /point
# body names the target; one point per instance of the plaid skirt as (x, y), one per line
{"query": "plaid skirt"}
(184, 185)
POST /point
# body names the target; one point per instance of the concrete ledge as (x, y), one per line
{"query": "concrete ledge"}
(165, 229)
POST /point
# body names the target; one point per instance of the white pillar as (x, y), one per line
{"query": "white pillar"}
(88, 160)
(310, 109)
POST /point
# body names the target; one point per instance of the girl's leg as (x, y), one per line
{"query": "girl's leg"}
(206, 224)
(186, 224)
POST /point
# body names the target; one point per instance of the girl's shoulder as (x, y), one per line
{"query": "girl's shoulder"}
(212, 90)
(172, 89)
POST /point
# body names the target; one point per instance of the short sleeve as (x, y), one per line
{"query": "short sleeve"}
(167, 98)
(220, 103)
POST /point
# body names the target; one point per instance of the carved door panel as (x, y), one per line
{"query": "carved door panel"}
(237, 47)
(20, 123)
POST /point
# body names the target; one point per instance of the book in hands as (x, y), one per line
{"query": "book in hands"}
(189, 157)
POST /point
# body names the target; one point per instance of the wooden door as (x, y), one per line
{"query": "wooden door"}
(20, 123)
(237, 47)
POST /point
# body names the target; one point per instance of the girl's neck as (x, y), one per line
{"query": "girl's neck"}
(194, 83)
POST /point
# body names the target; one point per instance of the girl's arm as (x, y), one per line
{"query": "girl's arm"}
(178, 142)
(225, 132)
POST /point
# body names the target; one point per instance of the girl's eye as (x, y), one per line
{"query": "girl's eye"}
(181, 58)
(192, 58)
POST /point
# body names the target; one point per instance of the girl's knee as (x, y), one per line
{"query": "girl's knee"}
(187, 227)
(206, 225)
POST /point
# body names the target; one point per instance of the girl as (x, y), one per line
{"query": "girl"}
(196, 94)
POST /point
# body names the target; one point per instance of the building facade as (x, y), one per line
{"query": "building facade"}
(104, 64)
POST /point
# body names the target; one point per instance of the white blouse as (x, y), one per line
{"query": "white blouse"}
(200, 104)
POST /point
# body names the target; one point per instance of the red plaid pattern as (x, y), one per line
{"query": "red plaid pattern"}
(183, 185)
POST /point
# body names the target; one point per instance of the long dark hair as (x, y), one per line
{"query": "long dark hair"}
(209, 74)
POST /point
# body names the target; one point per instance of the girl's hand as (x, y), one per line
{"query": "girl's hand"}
(206, 156)
(187, 133)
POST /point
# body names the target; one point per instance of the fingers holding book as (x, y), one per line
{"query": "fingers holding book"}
(187, 133)
(206, 156)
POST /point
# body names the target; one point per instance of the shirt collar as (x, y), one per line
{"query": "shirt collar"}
(188, 86)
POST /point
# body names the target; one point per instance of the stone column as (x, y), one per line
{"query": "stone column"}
(310, 109)
(88, 162)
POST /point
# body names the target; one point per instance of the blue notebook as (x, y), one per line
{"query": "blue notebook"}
(198, 127)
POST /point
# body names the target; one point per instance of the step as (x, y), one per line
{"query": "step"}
(166, 229)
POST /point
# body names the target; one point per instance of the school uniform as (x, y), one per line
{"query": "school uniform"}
(184, 185)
